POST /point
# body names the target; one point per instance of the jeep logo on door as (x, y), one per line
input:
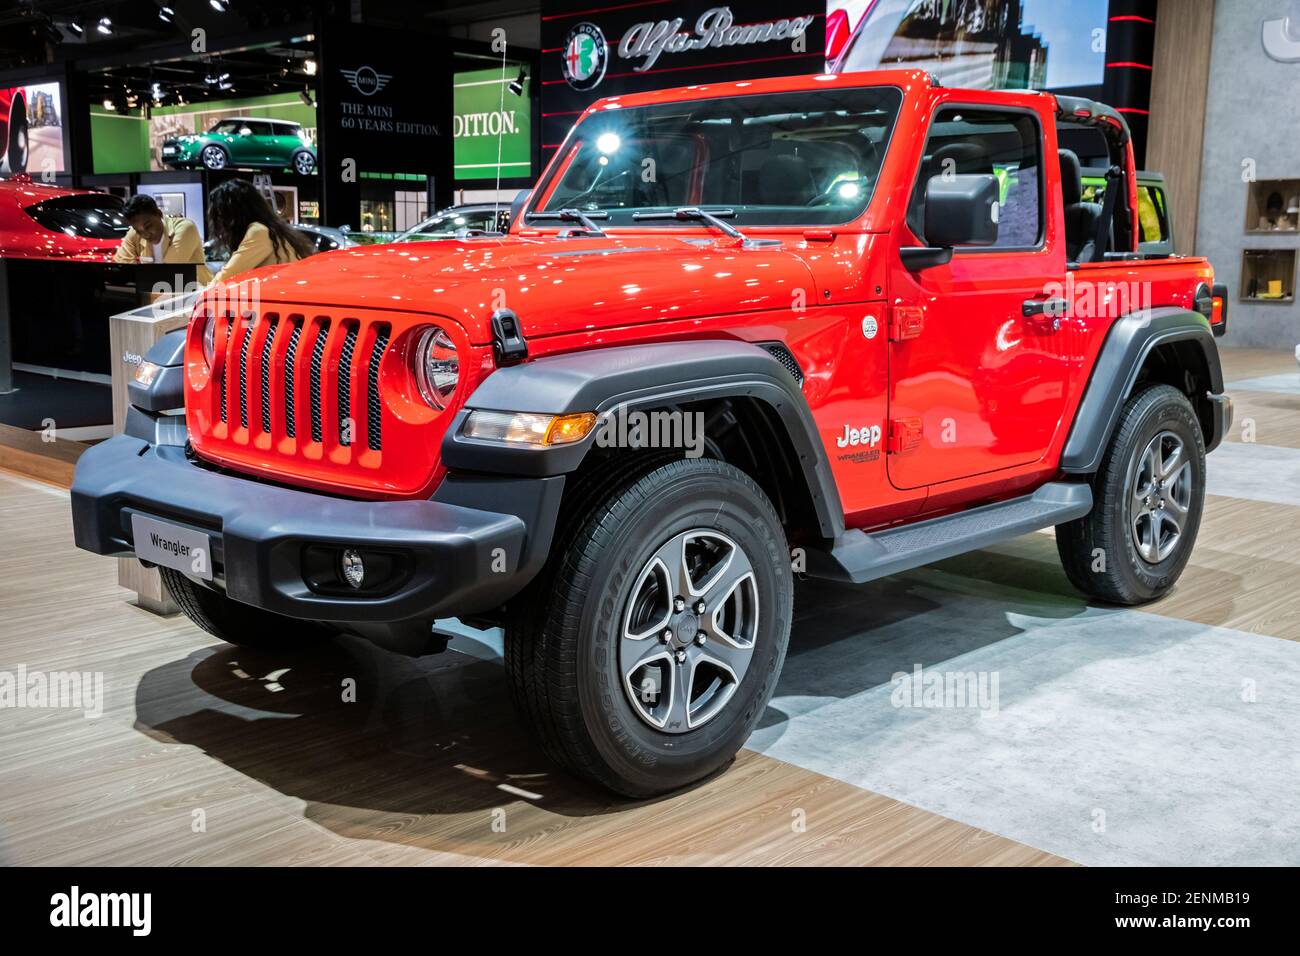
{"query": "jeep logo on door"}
(585, 57)
(366, 81)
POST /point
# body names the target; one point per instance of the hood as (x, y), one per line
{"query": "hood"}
(553, 285)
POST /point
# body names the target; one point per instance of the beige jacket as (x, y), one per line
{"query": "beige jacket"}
(256, 250)
(180, 244)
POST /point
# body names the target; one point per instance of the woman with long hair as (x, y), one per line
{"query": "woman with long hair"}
(245, 223)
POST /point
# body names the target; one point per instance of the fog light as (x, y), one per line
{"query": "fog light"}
(354, 569)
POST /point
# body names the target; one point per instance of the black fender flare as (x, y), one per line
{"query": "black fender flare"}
(1128, 344)
(635, 377)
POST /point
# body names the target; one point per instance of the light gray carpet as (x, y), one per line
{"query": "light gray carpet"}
(1256, 472)
(1287, 383)
(1119, 737)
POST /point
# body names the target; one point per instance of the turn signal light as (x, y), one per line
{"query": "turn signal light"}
(146, 372)
(529, 428)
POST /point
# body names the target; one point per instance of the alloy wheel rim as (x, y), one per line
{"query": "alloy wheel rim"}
(214, 158)
(304, 163)
(1160, 496)
(688, 631)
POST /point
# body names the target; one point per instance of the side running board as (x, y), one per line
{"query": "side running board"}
(858, 557)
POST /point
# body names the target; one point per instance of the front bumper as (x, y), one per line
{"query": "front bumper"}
(266, 539)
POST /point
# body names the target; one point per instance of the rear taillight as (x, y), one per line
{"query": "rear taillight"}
(1219, 309)
(837, 32)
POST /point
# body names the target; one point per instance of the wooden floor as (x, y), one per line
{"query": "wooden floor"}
(206, 754)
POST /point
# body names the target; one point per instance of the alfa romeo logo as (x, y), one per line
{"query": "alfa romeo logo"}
(585, 57)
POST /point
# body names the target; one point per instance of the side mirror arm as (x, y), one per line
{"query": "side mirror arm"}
(916, 258)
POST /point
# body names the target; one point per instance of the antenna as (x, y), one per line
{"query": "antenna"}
(501, 131)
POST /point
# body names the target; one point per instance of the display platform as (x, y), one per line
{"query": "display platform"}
(1122, 736)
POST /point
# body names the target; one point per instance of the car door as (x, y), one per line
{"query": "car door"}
(978, 369)
(263, 144)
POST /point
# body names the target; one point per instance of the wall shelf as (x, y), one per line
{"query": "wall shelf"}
(1273, 207)
(1268, 276)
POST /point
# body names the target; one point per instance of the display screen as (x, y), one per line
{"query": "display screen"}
(274, 133)
(31, 130)
(493, 117)
(980, 44)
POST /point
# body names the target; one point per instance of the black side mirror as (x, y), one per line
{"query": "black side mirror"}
(960, 210)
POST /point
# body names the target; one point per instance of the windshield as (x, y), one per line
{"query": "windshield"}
(84, 215)
(805, 158)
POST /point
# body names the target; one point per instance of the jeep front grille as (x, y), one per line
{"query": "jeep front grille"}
(268, 386)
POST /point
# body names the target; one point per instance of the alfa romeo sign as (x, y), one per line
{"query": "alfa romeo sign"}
(586, 55)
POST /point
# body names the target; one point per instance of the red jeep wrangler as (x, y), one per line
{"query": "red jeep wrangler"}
(833, 325)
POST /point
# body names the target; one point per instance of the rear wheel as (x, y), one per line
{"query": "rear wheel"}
(665, 624)
(237, 623)
(1149, 494)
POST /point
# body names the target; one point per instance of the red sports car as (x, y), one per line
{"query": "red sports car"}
(52, 222)
(13, 129)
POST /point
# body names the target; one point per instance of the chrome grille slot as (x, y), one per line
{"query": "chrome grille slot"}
(264, 374)
(345, 385)
(291, 353)
(317, 355)
(247, 325)
(374, 417)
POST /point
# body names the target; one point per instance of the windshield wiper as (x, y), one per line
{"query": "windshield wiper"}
(586, 219)
(712, 217)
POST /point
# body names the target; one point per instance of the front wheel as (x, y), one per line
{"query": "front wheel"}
(214, 157)
(665, 627)
(303, 163)
(1148, 494)
(240, 624)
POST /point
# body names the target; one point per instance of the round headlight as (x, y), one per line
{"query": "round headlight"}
(437, 367)
(210, 339)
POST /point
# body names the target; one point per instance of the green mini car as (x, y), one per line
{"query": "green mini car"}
(243, 141)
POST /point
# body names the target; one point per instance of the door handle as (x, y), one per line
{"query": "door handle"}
(1054, 307)
(1045, 314)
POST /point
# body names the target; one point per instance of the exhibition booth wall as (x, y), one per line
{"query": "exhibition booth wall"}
(1249, 224)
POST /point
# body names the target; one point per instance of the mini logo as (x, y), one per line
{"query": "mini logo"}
(586, 55)
(869, 327)
(365, 80)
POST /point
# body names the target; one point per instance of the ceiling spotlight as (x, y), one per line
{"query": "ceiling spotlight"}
(305, 96)
(105, 26)
(218, 5)
(108, 104)
(517, 84)
(309, 66)
(165, 14)
(76, 27)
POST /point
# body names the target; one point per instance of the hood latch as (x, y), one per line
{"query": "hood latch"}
(508, 343)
